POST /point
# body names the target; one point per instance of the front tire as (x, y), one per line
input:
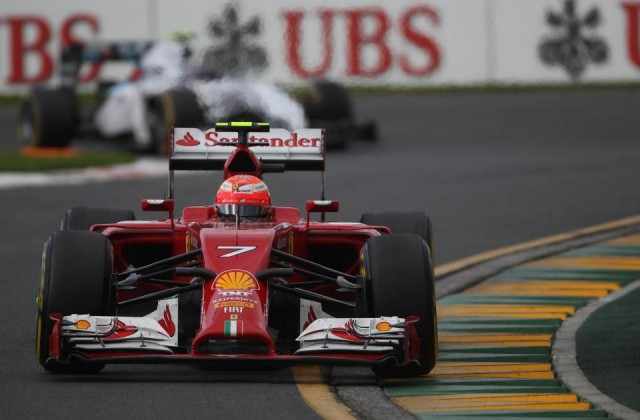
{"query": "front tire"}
(189, 304)
(284, 317)
(399, 281)
(82, 218)
(416, 222)
(75, 279)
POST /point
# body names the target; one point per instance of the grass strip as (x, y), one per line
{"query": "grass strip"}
(14, 161)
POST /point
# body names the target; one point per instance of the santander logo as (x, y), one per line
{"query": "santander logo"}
(188, 141)
(213, 138)
(199, 141)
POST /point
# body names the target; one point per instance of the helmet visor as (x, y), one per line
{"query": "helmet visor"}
(242, 210)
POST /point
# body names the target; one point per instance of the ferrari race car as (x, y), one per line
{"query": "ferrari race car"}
(226, 284)
(168, 89)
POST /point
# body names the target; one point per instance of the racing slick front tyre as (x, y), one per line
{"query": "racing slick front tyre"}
(175, 108)
(189, 311)
(75, 279)
(284, 317)
(82, 218)
(399, 281)
(48, 118)
(403, 222)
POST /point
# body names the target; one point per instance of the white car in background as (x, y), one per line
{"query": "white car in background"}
(174, 89)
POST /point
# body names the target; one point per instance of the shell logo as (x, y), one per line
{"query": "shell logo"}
(383, 326)
(82, 324)
(236, 280)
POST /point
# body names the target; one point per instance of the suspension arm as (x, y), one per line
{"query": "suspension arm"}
(285, 256)
(176, 259)
(308, 294)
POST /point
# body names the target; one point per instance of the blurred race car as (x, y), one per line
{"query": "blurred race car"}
(168, 90)
(238, 280)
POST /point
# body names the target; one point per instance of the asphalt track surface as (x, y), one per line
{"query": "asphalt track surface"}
(492, 169)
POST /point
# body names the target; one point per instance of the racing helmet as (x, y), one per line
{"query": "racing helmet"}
(244, 196)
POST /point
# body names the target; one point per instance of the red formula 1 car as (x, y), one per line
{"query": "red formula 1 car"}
(238, 281)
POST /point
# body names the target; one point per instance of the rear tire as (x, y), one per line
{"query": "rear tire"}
(48, 118)
(403, 222)
(328, 101)
(329, 106)
(176, 108)
(402, 284)
(82, 218)
(368, 131)
(75, 279)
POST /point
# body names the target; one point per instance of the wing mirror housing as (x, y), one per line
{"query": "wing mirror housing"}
(161, 204)
(321, 206)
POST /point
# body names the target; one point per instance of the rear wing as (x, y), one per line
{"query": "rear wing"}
(276, 149)
(299, 150)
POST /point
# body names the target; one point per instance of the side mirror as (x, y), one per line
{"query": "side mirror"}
(149, 204)
(322, 206)
(167, 205)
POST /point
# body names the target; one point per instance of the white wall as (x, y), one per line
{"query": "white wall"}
(520, 26)
(467, 41)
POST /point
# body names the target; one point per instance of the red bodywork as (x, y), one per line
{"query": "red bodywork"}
(336, 245)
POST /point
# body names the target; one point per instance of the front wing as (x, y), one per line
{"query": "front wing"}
(154, 339)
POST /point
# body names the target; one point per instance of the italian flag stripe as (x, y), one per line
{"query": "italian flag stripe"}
(231, 327)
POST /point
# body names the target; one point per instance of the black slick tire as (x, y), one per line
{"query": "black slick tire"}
(399, 281)
(403, 222)
(329, 106)
(189, 307)
(75, 279)
(328, 101)
(48, 118)
(175, 108)
(284, 317)
(82, 218)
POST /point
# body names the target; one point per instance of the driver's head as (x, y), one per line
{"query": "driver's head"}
(244, 195)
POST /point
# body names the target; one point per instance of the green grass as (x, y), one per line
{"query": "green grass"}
(85, 99)
(13, 161)
(10, 99)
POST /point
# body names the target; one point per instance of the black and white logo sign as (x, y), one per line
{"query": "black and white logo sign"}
(574, 44)
(235, 50)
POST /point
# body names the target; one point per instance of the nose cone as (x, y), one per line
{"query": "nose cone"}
(233, 323)
(226, 249)
(234, 303)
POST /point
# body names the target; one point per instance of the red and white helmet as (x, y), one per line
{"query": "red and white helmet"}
(244, 195)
